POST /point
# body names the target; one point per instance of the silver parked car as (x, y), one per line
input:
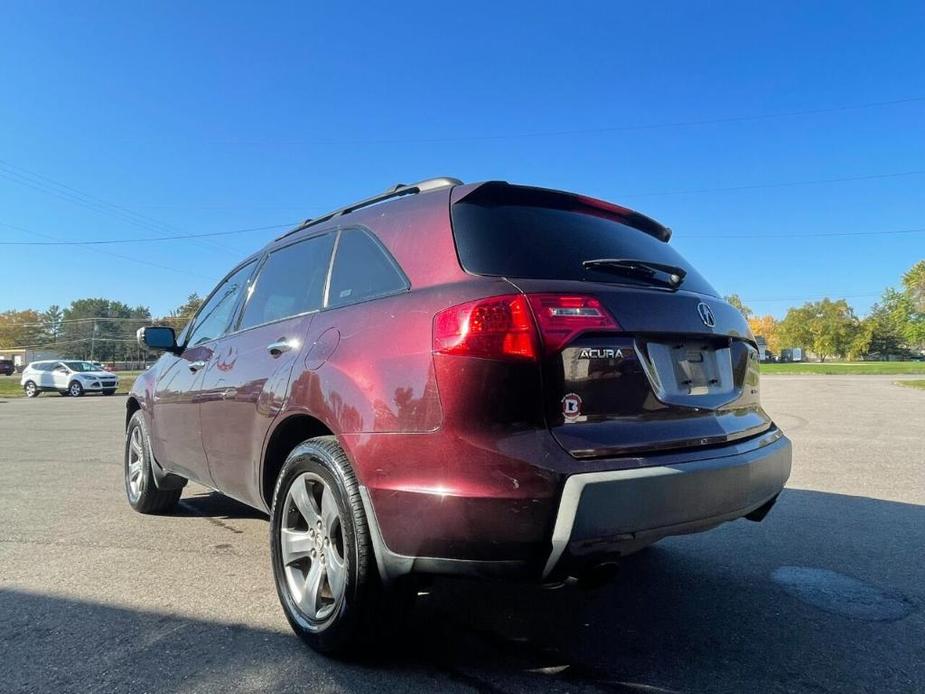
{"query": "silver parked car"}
(67, 377)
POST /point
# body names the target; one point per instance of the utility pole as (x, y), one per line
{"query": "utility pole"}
(96, 328)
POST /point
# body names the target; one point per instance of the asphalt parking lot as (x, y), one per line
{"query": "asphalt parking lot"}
(825, 595)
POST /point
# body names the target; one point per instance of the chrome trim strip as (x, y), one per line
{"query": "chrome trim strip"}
(327, 278)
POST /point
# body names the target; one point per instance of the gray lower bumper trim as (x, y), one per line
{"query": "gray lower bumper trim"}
(644, 500)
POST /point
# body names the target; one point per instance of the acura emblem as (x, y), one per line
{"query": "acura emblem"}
(706, 315)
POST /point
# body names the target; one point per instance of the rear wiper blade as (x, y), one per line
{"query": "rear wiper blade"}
(671, 275)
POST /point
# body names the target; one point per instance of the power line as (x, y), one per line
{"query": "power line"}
(95, 242)
(112, 254)
(117, 318)
(26, 182)
(66, 342)
(811, 234)
(833, 296)
(89, 204)
(100, 242)
(594, 131)
(74, 321)
(784, 184)
(49, 186)
(268, 227)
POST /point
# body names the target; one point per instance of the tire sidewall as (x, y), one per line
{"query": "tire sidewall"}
(137, 422)
(79, 391)
(329, 634)
(35, 389)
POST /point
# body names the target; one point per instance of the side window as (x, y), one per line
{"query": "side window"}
(290, 282)
(362, 269)
(215, 315)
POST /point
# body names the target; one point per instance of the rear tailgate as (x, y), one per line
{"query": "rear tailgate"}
(679, 368)
(663, 380)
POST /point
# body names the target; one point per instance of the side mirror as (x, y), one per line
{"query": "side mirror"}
(158, 337)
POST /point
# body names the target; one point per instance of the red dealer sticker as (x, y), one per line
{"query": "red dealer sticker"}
(571, 407)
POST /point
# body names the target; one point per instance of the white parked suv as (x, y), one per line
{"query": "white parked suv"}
(67, 377)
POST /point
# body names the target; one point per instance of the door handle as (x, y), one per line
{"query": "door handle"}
(196, 365)
(278, 347)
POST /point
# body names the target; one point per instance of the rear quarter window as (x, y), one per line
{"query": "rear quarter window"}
(362, 270)
(533, 241)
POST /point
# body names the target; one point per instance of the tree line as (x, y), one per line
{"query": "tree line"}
(895, 326)
(104, 329)
(93, 328)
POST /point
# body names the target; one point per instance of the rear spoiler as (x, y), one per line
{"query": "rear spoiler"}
(504, 193)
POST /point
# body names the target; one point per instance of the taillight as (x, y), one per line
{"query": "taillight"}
(499, 327)
(561, 317)
(502, 327)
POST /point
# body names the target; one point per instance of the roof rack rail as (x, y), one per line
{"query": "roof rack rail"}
(396, 191)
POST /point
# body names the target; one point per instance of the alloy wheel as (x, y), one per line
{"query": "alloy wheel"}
(312, 547)
(135, 463)
(75, 389)
(30, 390)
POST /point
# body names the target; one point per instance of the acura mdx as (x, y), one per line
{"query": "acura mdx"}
(488, 379)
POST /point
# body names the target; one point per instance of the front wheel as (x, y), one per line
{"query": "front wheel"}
(323, 560)
(75, 390)
(143, 494)
(30, 389)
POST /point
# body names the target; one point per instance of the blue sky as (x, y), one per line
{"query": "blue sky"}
(202, 117)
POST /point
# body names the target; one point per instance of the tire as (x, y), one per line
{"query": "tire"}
(31, 390)
(74, 389)
(143, 494)
(349, 608)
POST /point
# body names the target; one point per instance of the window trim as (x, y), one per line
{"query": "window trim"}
(263, 261)
(327, 280)
(194, 323)
(260, 261)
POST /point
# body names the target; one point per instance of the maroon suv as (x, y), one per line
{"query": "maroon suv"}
(482, 379)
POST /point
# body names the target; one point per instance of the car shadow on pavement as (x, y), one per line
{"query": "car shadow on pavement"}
(717, 611)
(208, 504)
(699, 613)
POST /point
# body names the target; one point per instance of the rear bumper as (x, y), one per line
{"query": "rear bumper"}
(523, 510)
(610, 512)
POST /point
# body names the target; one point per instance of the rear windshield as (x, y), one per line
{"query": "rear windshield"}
(498, 238)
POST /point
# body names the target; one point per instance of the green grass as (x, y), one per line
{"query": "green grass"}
(850, 367)
(10, 388)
